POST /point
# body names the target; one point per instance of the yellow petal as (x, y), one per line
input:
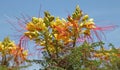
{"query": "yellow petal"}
(56, 36)
(30, 26)
(25, 53)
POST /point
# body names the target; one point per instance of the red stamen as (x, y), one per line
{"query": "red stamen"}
(23, 41)
(101, 29)
(18, 30)
(97, 35)
(105, 28)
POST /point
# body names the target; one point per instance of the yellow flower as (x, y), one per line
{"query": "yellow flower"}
(31, 35)
(66, 41)
(35, 20)
(89, 24)
(42, 43)
(85, 17)
(114, 54)
(41, 20)
(50, 36)
(52, 49)
(0, 46)
(36, 24)
(107, 54)
(30, 26)
(40, 26)
(87, 32)
(25, 53)
(56, 36)
(98, 55)
(58, 22)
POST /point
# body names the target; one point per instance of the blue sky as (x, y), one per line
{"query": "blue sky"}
(104, 12)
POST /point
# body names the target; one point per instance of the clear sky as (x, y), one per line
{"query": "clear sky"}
(104, 12)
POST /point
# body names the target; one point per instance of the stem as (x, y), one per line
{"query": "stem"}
(56, 48)
(4, 62)
(75, 37)
(74, 43)
(46, 43)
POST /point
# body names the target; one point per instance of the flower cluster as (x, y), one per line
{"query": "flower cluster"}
(107, 55)
(9, 51)
(55, 33)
